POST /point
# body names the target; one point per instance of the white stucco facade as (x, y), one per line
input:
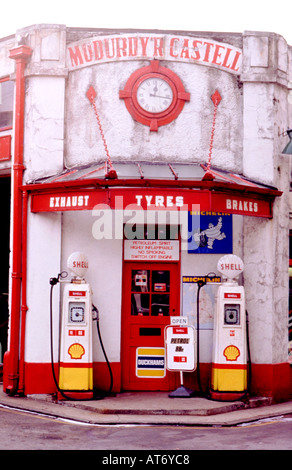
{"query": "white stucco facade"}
(253, 74)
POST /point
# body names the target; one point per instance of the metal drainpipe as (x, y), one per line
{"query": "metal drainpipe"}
(21, 382)
(21, 55)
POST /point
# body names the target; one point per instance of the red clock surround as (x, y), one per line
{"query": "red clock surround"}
(154, 119)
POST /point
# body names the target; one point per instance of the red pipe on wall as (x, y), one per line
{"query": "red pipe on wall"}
(23, 293)
(21, 55)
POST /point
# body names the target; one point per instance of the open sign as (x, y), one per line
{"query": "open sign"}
(180, 348)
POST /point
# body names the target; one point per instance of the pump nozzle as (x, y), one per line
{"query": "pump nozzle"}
(54, 281)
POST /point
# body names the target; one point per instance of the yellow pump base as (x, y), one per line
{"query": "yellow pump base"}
(76, 382)
(228, 383)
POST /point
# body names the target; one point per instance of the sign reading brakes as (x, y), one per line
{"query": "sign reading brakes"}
(150, 362)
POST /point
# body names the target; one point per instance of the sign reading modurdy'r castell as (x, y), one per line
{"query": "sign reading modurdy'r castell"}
(149, 46)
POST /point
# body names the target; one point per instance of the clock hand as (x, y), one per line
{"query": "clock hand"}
(158, 96)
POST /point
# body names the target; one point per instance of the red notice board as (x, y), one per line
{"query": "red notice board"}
(5, 147)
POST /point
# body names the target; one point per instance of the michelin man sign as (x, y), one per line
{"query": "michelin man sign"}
(209, 232)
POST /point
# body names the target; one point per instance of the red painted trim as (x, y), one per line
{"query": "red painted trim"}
(21, 55)
(154, 120)
(60, 176)
(39, 377)
(229, 366)
(79, 365)
(227, 177)
(272, 380)
(73, 293)
(76, 395)
(268, 380)
(101, 376)
(226, 396)
(101, 183)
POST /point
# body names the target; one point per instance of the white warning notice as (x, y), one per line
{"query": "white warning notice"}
(151, 250)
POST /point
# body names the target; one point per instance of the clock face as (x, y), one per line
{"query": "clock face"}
(154, 95)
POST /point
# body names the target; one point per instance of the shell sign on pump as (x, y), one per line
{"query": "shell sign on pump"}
(231, 353)
(76, 351)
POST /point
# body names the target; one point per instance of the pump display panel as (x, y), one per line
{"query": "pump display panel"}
(231, 314)
(76, 312)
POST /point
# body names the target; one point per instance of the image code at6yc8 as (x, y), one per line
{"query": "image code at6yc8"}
(134, 460)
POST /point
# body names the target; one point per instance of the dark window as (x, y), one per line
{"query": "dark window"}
(6, 104)
(150, 292)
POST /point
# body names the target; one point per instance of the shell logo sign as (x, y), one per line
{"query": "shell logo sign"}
(231, 353)
(231, 266)
(78, 264)
(76, 351)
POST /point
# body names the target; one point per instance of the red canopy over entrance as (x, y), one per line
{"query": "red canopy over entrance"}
(155, 186)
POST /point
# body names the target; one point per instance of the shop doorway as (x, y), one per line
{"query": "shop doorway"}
(5, 191)
(151, 294)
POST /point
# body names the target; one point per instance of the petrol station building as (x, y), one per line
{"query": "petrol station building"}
(155, 154)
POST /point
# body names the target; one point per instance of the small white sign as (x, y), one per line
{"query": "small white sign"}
(230, 266)
(151, 250)
(180, 348)
(179, 321)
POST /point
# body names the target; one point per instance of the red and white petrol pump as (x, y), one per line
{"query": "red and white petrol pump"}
(75, 363)
(229, 361)
(76, 367)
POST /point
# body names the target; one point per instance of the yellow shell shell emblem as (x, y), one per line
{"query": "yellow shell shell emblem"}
(231, 353)
(76, 351)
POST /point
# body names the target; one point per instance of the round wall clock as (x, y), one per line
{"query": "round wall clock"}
(154, 95)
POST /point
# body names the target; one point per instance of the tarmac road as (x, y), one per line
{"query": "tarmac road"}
(25, 430)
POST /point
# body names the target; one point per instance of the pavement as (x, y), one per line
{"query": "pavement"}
(150, 408)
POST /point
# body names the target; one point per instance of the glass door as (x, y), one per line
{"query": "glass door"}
(150, 297)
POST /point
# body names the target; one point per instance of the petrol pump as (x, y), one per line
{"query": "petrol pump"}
(75, 362)
(229, 358)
